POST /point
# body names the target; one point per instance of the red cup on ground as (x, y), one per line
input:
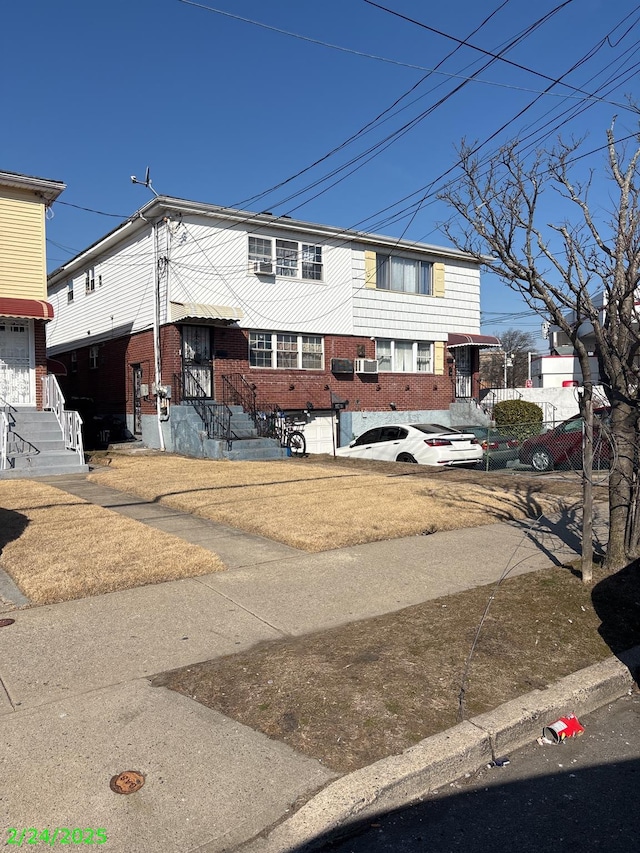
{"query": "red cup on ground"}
(563, 728)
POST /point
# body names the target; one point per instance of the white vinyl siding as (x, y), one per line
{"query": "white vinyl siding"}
(286, 351)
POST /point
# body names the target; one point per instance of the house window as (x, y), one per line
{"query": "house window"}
(404, 275)
(404, 356)
(89, 281)
(260, 249)
(293, 259)
(260, 354)
(93, 357)
(286, 258)
(73, 361)
(286, 351)
(311, 352)
(311, 262)
(70, 291)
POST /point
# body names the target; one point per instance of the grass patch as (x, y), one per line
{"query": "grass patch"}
(57, 547)
(352, 695)
(316, 506)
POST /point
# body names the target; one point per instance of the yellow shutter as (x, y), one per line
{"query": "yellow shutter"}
(438, 359)
(370, 269)
(438, 279)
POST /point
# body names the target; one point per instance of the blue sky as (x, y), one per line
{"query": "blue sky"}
(224, 111)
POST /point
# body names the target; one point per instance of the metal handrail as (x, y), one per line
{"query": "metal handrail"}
(4, 437)
(216, 417)
(70, 421)
(236, 391)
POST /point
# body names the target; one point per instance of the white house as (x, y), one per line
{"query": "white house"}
(191, 303)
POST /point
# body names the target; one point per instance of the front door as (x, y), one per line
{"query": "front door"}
(16, 362)
(463, 371)
(137, 399)
(197, 368)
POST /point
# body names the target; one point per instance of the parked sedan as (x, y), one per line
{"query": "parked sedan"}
(497, 449)
(561, 447)
(427, 444)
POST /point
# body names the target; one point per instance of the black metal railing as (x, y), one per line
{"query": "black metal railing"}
(216, 417)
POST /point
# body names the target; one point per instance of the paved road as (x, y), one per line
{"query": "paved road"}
(581, 795)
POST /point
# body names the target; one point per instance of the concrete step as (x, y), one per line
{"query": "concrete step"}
(44, 471)
(242, 452)
(55, 458)
(17, 447)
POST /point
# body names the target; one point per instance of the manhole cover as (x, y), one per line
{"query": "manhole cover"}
(127, 783)
(4, 623)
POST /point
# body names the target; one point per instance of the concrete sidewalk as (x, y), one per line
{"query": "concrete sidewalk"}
(76, 708)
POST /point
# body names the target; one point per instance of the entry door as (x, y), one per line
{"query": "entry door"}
(16, 374)
(197, 369)
(463, 371)
(137, 399)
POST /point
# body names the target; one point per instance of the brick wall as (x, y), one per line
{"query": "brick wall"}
(110, 384)
(40, 356)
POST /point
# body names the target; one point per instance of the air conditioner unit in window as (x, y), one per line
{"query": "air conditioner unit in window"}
(263, 267)
(366, 365)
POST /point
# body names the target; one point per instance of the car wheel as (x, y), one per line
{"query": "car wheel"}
(541, 460)
(406, 457)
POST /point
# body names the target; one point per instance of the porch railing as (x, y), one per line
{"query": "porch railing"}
(236, 391)
(4, 439)
(216, 417)
(70, 421)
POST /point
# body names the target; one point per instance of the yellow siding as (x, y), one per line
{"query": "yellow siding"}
(23, 272)
(438, 358)
(438, 279)
(370, 269)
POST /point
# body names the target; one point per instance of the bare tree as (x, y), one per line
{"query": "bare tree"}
(516, 345)
(580, 273)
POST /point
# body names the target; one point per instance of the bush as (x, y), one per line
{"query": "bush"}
(518, 417)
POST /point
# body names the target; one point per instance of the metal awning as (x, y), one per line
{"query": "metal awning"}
(202, 311)
(32, 309)
(460, 339)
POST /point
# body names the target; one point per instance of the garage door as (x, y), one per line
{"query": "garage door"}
(318, 432)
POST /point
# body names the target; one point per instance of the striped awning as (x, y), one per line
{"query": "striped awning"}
(36, 309)
(464, 339)
(202, 311)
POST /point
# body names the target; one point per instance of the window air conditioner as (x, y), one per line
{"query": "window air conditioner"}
(263, 267)
(366, 365)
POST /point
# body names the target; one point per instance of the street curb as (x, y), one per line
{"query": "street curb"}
(400, 780)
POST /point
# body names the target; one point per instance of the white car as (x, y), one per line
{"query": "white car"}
(428, 444)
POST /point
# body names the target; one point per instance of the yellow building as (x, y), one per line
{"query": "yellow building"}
(24, 310)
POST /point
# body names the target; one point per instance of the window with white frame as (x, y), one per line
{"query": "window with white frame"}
(89, 281)
(93, 357)
(292, 259)
(260, 249)
(404, 356)
(286, 351)
(404, 275)
(70, 291)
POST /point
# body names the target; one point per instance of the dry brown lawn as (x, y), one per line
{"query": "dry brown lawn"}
(317, 506)
(57, 547)
(354, 694)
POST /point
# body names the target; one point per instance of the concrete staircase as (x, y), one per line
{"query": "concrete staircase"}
(35, 446)
(189, 437)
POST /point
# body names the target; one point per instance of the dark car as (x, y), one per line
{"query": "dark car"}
(498, 449)
(561, 447)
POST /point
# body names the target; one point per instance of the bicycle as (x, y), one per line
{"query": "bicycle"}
(289, 433)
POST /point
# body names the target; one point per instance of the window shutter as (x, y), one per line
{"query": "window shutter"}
(438, 358)
(438, 279)
(370, 269)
